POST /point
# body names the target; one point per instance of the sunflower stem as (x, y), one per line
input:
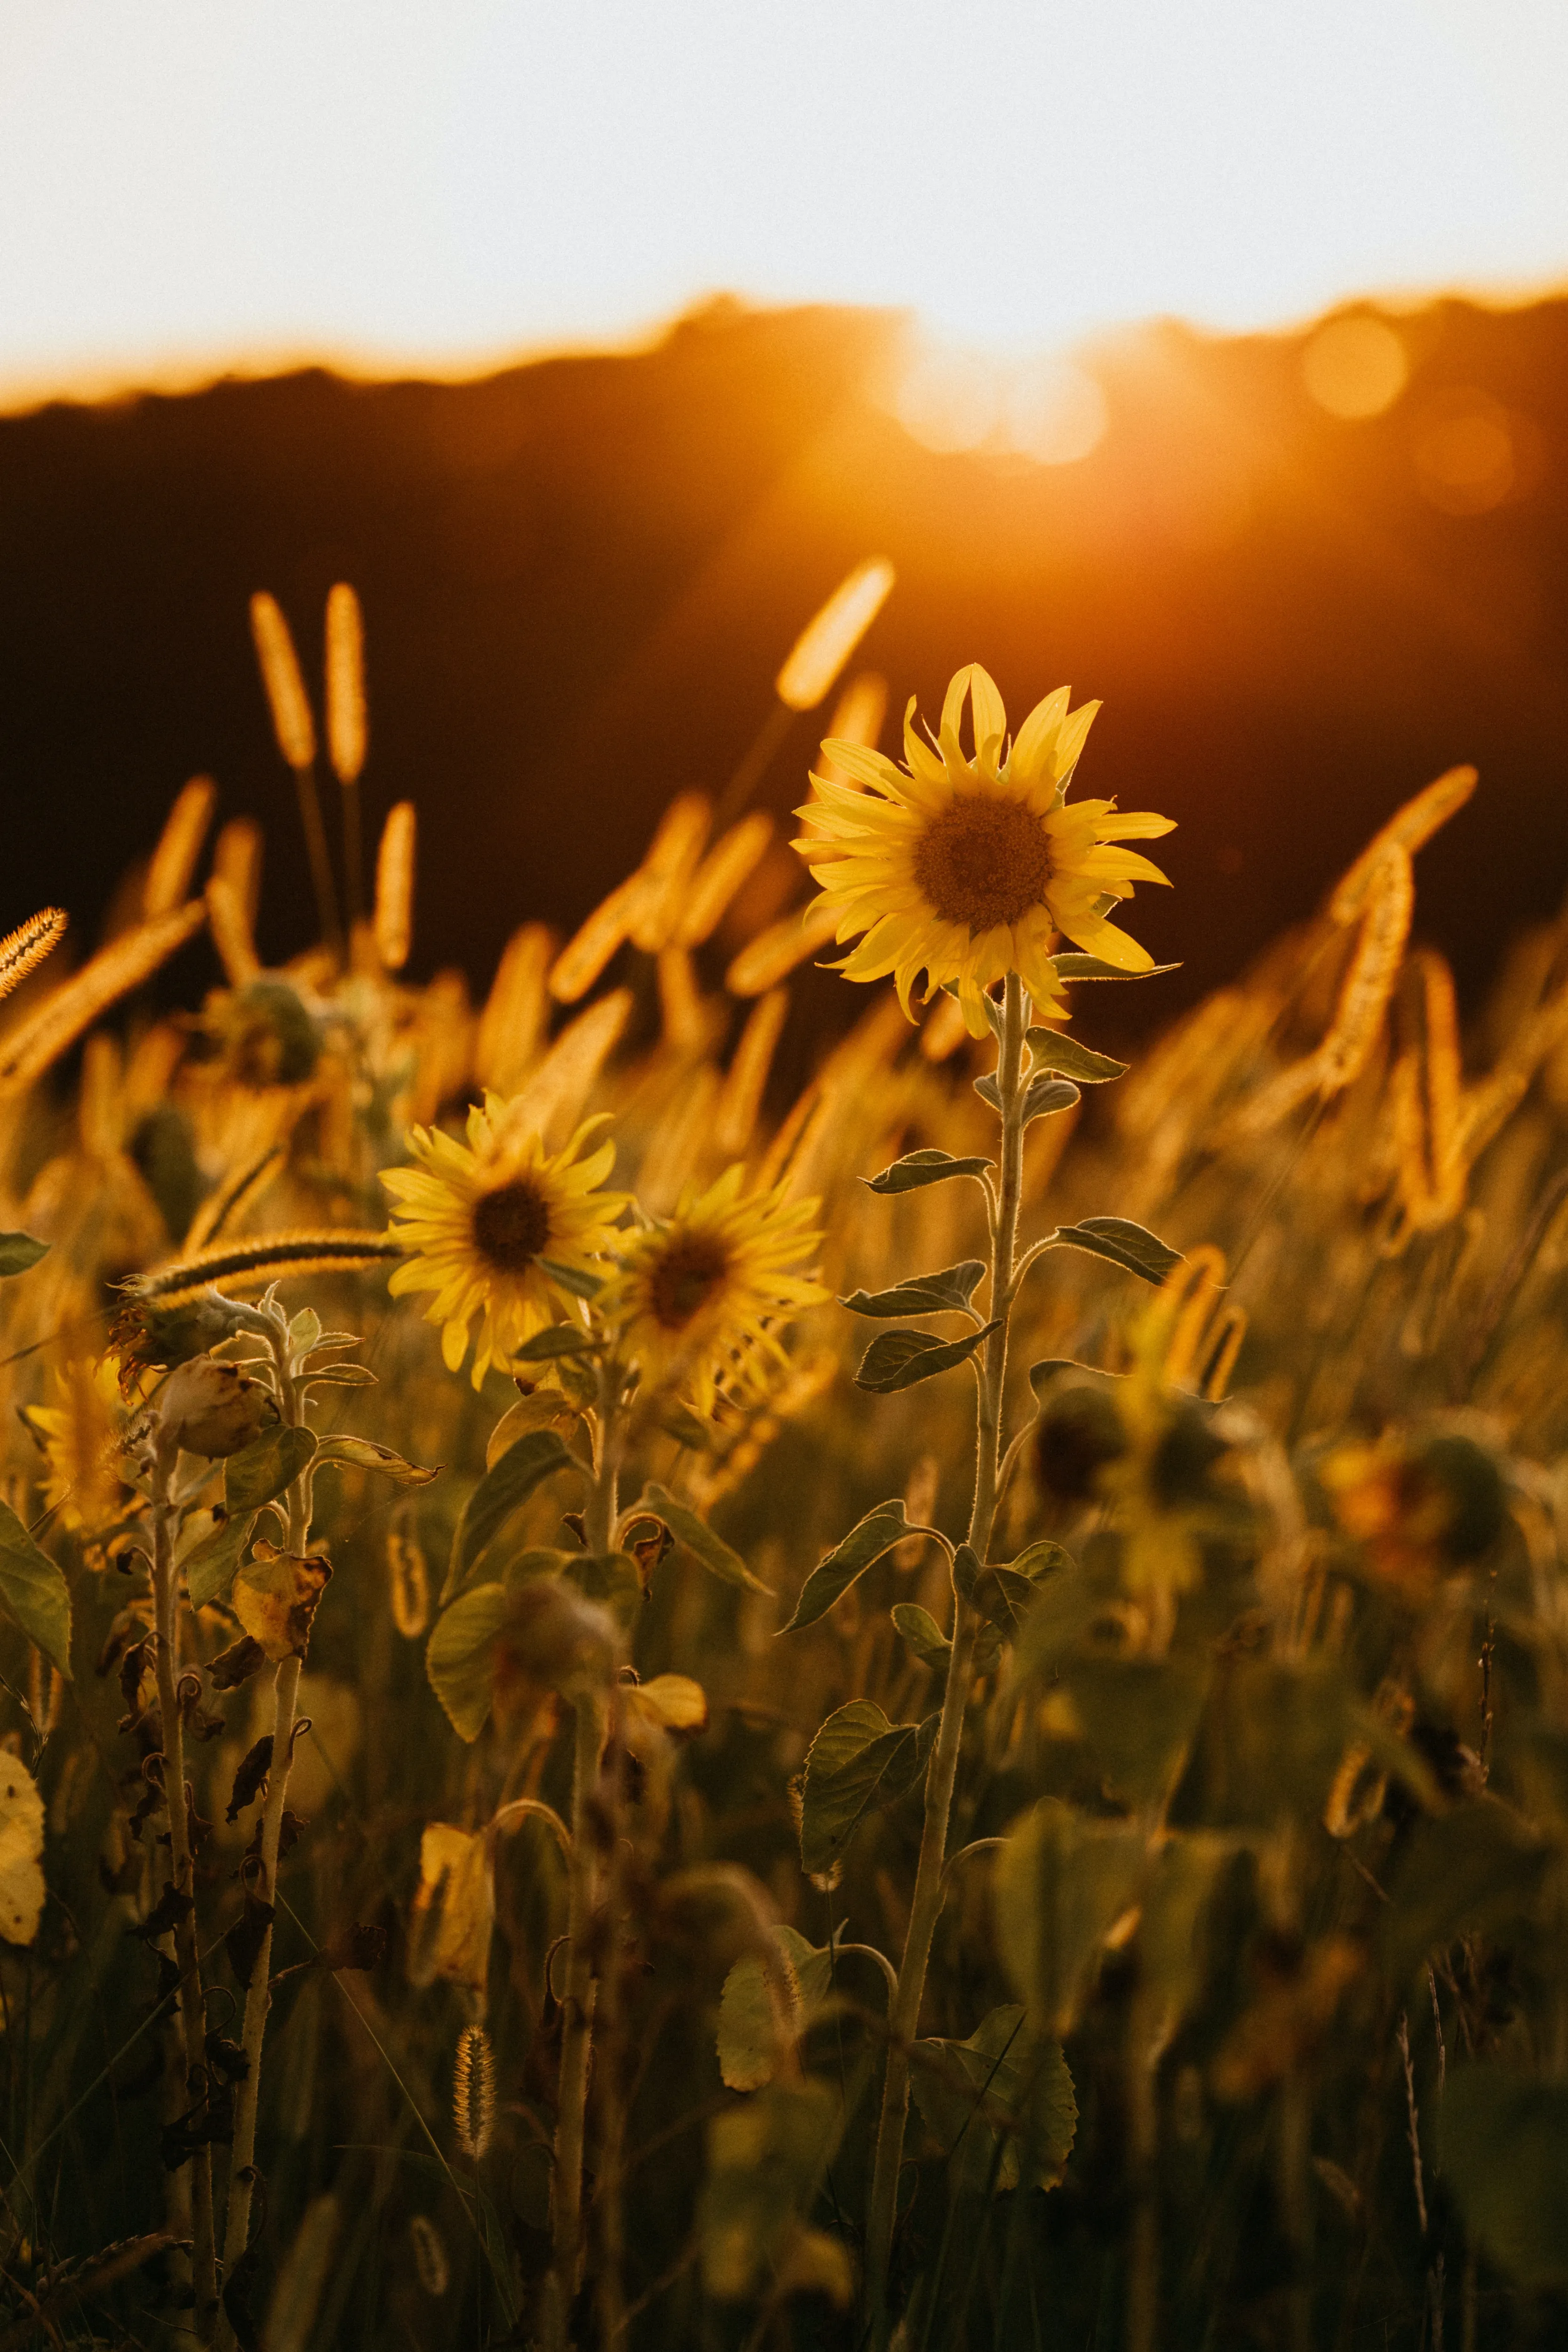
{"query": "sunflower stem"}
(926, 1907)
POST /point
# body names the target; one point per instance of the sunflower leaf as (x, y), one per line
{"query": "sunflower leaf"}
(947, 1293)
(897, 1359)
(1124, 1244)
(1087, 967)
(865, 1543)
(927, 1167)
(457, 1659)
(19, 1252)
(856, 1757)
(259, 1473)
(1045, 1095)
(501, 1491)
(922, 1635)
(556, 1339)
(573, 1278)
(364, 1454)
(699, 1539)
(1052, 1050)
(210, 1567)
(34, 1592)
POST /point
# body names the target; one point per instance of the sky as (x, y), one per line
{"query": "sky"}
(194, 186)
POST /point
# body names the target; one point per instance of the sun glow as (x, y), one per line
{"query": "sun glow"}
(409, 185)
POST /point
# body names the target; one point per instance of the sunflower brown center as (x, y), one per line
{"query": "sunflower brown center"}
(983, 861)
(683, 1276)
(511, 1225)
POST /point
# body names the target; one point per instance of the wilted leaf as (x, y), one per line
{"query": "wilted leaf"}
(459, 1658)
(857, 1755)
(865, 1543)
(263, 1470)
(453, 1909)
(250, 1775)
(1053, 1049)
(364, 1454)
(503, 1488)
(674, 1702)
(33, 1592)
(897, 1359)
(17, 1253)
(921, 1633)
(1123, 1243)
(917, 1168)
(996, 2102)
(947, 1292)
(210, 1567)
(274, 1597)
(1061, 1885)
(1505, 2153)
(236, 1664)
(21, 1853)
(699, 1539)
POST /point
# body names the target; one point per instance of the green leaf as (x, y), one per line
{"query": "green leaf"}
(504, 1489)
(607, 1575)
(364, 1454)
(930, 1167)
(1173, 1959)
(555, 1340)
(1045, 1095)
(1123, 1243)
(262, 1472)
(1004, 1599)
(1061, 1885)
(34, 1592)
(1041, 1559)
(866, 1541)
(1052, 1049)
(19, 1252)
(857, 1755)
(1139, 1716)
(1479, 1866)
(947, 1293)
(765, 2007)
(540, 1560)
(575, 1279)
(1504, 2152)
(897, 1359)
(996, 2102)
(700, 1539)
(210, 1567)
(922, 1635)
(457, 1658)
(1042, 1375)
(1065, 1606)
(1073, 966)
(304, 1334)
(766, 2159)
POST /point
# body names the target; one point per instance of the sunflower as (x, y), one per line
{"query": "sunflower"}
(80, 1436)
(701, 1293)
(497, 1227)
(966, 869)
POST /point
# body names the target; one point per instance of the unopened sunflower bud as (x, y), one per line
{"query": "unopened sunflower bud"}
(205, 1407)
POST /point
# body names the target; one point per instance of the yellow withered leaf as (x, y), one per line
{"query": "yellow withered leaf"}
(21, 1846)
(275, 1598)
(455, 1908)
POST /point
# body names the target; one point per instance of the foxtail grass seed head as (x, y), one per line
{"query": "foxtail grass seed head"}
(112, 973)
(231, 932)
(681, 1015)
(944, 1029)
(774, 952)
(430, 2259)
(746, 1079)
(286, 695)
(23, 950)
(1408, 829)
(347, 726)
(178, 847)
(585, 954)
(719, 877)
(1374, 970)
(474, 2091)
(395, 885)
(410, 1579)
(236, 858)
(667, 869)
(830, 636)
(516, 1018)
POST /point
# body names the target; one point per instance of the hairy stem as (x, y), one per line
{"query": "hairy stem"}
(192, 2019)
(258, 1997)
(939, 1783)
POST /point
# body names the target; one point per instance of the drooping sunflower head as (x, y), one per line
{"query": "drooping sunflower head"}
(966, 867)
(702, 1295)
(496, 1227)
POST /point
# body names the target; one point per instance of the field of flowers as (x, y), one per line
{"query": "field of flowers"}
(640, 1712)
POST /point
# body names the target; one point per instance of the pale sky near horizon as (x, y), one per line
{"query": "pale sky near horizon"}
(191, 186)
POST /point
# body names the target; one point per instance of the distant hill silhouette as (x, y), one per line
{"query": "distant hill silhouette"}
(578, 577)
